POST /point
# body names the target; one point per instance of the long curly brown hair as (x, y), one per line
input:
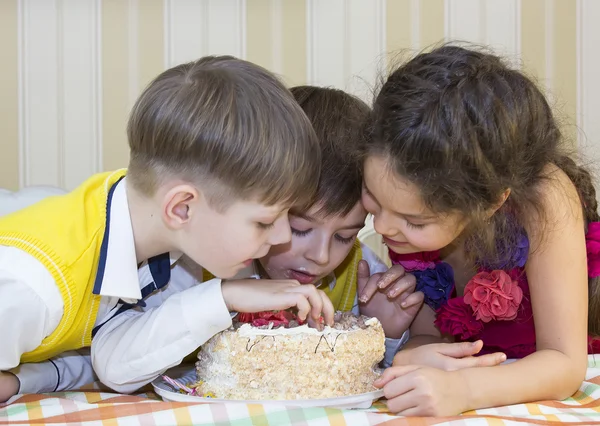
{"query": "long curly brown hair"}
(464, 127)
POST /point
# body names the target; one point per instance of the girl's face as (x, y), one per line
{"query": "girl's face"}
(318, 246)
(399, 213)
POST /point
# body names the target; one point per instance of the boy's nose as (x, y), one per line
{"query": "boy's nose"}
(281, 233)
(319, 253)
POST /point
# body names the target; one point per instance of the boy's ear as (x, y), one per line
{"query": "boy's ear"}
(178, 205)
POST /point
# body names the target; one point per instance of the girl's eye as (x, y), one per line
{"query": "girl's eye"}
(415, 226)
(265, 226)
(300, 233)
(343, 240)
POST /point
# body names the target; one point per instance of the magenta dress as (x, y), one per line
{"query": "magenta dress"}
(496, 305)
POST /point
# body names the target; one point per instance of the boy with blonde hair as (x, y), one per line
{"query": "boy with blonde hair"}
(219, 152)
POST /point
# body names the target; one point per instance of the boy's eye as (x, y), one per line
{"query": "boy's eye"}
(265, 226)
(343, 240)
(413, 225)
(300, 233)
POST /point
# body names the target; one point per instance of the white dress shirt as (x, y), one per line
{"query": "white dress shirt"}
(130, 348)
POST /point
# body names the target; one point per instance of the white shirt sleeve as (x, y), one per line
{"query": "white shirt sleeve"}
(376, 265)
(68, 371)
(22, 330)
(133, 348)
(392, 347)
(30, 305)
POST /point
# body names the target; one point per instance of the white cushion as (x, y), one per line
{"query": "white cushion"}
(11, 201)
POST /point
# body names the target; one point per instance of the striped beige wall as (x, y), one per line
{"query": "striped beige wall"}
(71, 69)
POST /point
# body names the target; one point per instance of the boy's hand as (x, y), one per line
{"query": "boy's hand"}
(9, 386)
(264, 295)
(390, 297)
(449, 356)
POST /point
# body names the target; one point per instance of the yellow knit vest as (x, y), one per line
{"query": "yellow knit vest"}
(346, 279)
(65, 234)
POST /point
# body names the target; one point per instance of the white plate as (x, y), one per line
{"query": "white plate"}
(186, 376)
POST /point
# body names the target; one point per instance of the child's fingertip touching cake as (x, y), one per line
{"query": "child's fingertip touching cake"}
(272, 356)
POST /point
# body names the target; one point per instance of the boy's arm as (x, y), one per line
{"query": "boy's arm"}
(133, 348)
(69, 371)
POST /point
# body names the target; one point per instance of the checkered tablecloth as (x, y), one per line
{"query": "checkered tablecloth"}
(97, 408)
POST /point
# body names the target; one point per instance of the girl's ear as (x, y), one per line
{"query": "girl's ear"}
(503, 197)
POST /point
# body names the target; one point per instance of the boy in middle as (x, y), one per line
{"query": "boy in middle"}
(324, 250)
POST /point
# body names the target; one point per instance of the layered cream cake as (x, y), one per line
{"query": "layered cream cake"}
(286, 360)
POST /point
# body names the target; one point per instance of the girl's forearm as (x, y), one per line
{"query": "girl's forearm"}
(544, 375)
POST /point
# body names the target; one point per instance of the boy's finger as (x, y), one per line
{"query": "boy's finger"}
(311, 293)
(328, 309)
(316, 305)
(314, 324)
(300, 301)
(392, 274)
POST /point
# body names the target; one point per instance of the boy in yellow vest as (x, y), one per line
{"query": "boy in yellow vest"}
(324, 250)
(219, 150)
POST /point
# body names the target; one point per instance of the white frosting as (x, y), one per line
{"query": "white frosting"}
(249, 331)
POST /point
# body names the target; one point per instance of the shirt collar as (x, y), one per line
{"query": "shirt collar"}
(117, 269)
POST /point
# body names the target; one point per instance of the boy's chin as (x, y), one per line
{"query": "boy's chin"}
(228, 273)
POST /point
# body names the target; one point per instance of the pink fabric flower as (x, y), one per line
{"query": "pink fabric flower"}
(592, 245)
(456, 318)
(419, 261)
(493, 296)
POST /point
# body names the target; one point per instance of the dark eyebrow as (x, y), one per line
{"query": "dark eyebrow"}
(403, 215)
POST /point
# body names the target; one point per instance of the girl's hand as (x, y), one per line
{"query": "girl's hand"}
(390, 297)
(265, 295)
(449, 356)
(412, 390)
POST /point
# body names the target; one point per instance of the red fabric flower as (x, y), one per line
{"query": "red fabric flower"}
(278, 318)
(419, 261)
(456, 318)
(493, 296)
(592, 245)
